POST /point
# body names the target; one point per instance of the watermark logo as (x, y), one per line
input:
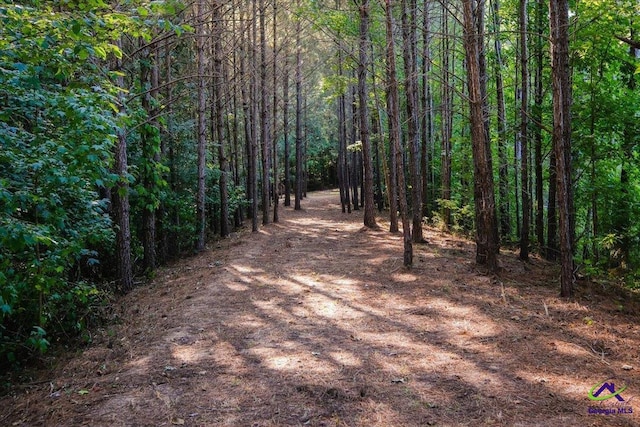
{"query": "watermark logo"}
(607, 398)
(597, 391)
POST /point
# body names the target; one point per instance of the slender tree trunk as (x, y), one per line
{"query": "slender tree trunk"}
(377, 139)
(299, 141)
(552, 250)
(363, 64)
(218, 85)
(537, 117)
(427, 111)
(168, 217)
(446, 118)
(524, 121)
(285, 131)
(246, 90)
(274, 139)
(503, 168)
(254, 107)
(409, 12)
(559, 26)
(120, 198)
(393, 110)
(487, 246)
(201, 129)
(355, 169)
(149, 139)
(264, 118)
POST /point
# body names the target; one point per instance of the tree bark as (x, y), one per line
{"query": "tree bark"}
(218, 86)
(410, 53)
(503, 168)
(537, 118)
(393, 110)
(120, 198)
(486, 244)
(299, 141)
(285, 132)
(264, 118)
(524, 122)
(149, 141)
(560, 73)
(363, 63)
(446, 118)
(201, 128)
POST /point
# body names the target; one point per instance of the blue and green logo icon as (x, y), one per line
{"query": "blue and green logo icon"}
(606, 390)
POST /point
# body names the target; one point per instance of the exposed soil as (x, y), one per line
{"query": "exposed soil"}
(314, 321)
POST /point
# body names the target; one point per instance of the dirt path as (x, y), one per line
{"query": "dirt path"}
(314, 321)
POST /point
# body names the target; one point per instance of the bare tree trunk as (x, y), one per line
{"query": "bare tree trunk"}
(559, 27)
(149, 140)
(120, 199)
(552, 249)
(486, 244)
(299, 141)
(524, 122)
(427, 111)
(503, 168)
(285, 131)
(363, 64)
(394, 135)
(446, 118)
(264, 118)
(409, 12)
(274, 139)
(201, 129)
(253, 107)
(537, 118)
(355, 169)
(218, 86)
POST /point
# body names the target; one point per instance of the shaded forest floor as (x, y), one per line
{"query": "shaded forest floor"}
(314, 321)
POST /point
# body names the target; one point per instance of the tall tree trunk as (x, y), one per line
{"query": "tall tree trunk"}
(410, 53)
(264, 117)
(363, 64)
(274, 138)
(120, 198)
(149, 139)
(559, 28)
(393, 110)
(254, 107)
(343, 155)
(219, 79)
(552, 249)
(355, 177)
(246, 91)
(446, 118)
(503, 168)
(486, 244)
(524, 121)
(285, 132)
(201, 129)
(426, 101)
(299, 141)
(537, 117)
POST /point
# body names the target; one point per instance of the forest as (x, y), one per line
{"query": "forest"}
(136, 132)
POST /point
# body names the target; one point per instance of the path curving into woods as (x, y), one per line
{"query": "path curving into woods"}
(314, 321)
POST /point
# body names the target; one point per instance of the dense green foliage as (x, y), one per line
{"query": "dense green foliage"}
(57, 122)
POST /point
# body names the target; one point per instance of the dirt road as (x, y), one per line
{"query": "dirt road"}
(314, 321)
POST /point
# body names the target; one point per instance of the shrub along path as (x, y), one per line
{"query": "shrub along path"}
(314, 321)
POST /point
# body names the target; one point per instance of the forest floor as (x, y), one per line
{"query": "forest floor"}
(314, 321)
